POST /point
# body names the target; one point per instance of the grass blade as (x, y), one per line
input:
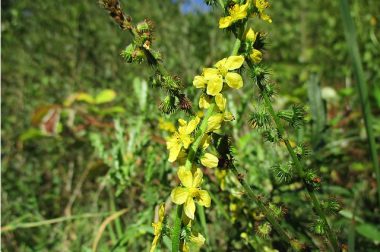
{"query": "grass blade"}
(353, 48)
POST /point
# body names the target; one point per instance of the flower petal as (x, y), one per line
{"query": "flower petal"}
(208, 72)
(190, 208)
(192, 125)
(234, 80)
(185, 176)
(221, 63)
(173, 152)
(199, 81)
(234, 62)
(209, 160)
(214, 85)
(225, 22)
(214, 122)
(179, 195)
(204, 198)
(197, 178)
(220, 102)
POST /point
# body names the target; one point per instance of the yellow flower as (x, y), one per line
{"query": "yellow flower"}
(157, 226)
(236, 13)
(190, 191)
(261, 5)
(251, 35)
(194, 243)
(215, 121)
(209, 160)
(212, 78)
(181, 138)
(256, 56)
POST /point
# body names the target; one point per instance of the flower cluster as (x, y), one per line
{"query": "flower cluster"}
(237, 12)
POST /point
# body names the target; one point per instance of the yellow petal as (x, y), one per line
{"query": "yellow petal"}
(221, 63)
(173, 152)
(186, 141)
(251, 35)
(185, 176)
(208, 72)
(190, 208)
(182, 122)
(204, 101)
(192, 125)
(214, 122)
(220, 102)
(204, 198)
(199, 81)
(256, 56)
(209, 160)
(225, 22)
(197, 178)
(179, 195)
(234, 80)
(234, 62)
(214, 85)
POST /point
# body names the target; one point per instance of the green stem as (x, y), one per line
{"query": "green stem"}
(12, 227)
(318, 208)
(353, 48)
(283, 235)
(177, 229)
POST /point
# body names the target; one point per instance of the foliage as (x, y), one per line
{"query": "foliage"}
(83, 143)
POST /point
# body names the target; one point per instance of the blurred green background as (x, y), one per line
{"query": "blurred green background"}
(81, 161)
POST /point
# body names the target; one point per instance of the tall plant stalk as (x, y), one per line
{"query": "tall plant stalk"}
(353, 48)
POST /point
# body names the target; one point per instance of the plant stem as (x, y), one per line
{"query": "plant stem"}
(262, 207)
(12, 227)
(177, 229)
(318, 208)
(353, 48)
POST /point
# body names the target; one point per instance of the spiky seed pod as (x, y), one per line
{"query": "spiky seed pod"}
(302, 151)
(294, 116)
(319, 227)
(260, 41)
(264, 230)
(312, 179)
(168, 105)
(184, 103)
(283, 173)
(271, 135)
(260, 119)
(331, 206)
(276, 211)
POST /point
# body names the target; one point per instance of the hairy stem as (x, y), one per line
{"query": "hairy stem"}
(268, 215)
(300, 170)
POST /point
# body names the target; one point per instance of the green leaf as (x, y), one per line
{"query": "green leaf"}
(31, 134)
(369, 231)
(105, 96)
